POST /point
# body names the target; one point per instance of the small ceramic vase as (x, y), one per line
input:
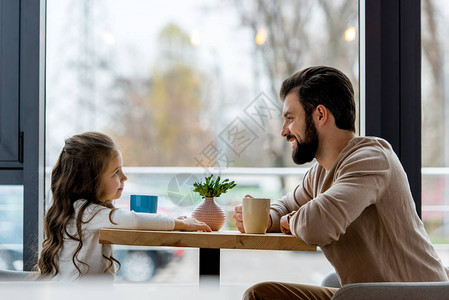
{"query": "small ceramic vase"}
(210, 213)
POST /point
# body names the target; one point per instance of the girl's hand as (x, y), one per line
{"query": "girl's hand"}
(190, 224)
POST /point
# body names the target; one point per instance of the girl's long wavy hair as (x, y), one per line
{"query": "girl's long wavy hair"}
(76, 175)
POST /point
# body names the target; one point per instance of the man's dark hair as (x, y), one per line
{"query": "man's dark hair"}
(326, 86)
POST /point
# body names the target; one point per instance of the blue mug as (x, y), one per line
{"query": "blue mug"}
(144, 203)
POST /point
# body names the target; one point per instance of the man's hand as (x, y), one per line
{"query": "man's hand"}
(238, 216)
(285, 226)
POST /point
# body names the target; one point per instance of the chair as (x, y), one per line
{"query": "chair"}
(331, 280)
(388, 290)
(8, 275)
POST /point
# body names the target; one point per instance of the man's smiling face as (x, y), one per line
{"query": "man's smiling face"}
(299, 130)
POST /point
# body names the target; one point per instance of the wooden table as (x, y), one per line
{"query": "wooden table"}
(209, 243)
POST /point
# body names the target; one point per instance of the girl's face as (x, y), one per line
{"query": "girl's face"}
(112, 180)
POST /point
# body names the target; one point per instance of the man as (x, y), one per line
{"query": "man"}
(354, 202)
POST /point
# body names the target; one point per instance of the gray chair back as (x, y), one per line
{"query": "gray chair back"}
(387, 290)
(394, 290)
(331, 280)
(8, 275)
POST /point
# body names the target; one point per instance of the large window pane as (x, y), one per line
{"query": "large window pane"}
(11, 224)
(187, 88)
(435, 123)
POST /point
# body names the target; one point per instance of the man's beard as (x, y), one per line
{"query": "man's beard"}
(306, 150)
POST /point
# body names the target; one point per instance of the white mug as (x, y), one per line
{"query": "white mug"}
(256, 213)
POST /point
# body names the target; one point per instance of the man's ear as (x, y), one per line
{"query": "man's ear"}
(322, 114)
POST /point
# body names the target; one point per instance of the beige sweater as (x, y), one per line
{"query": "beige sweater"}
(362, 215)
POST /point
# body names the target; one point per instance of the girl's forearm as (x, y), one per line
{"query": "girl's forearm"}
(179, 225)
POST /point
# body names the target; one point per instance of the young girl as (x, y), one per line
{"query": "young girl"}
(86, 179)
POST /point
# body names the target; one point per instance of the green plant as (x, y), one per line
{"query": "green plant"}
(213, 188)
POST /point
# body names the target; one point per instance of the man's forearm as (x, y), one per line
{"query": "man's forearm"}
(273, 222)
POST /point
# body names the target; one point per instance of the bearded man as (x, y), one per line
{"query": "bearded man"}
(354, 202)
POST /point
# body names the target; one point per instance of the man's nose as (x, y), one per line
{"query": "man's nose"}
(284, 130)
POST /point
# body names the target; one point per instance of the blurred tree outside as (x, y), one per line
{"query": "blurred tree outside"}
(162, 117)
(434, 104)
(289, 36)
(435, 113)
(182, 105)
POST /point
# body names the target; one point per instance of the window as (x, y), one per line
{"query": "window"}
(188, 88)
(11, 221)
(435, 123)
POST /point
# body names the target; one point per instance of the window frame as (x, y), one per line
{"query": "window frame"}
(392, 80)
(28, 170)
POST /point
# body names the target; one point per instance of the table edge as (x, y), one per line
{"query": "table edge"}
(232, 239)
